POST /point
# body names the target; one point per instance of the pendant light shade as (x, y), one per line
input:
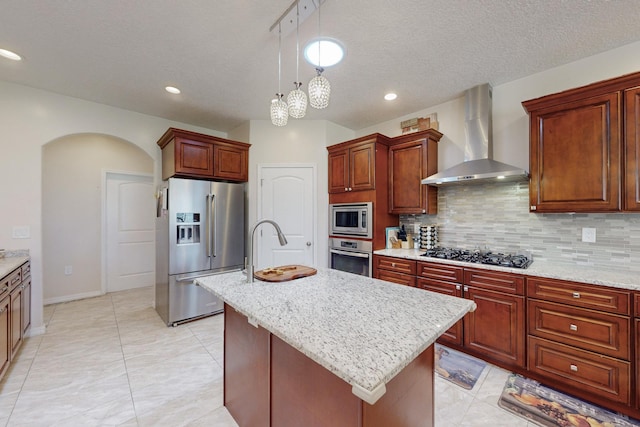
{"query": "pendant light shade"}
(279, 111)
(319, 90)
(297, 101)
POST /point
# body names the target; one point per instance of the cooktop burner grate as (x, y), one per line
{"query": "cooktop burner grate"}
(490, 258)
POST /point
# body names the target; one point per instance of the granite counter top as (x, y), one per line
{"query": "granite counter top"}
(547, 269)
(363, 330)
(10, 263)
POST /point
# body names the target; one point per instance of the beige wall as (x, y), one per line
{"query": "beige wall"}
(73, 169)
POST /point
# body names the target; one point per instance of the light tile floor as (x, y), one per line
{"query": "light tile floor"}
(111, 361)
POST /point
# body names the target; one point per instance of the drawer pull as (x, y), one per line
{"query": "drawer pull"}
(573, 327)
(576, 294)
(393, 264)
(5, 289)
(458, 287)
(574, 368)
(15, 279)
(466, 289)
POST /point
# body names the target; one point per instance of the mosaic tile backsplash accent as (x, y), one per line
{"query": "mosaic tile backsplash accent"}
(496, 216)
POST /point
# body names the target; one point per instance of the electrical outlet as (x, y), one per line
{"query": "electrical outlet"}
(588, 235)
(21, 232)
(416, 228)
(68, 270)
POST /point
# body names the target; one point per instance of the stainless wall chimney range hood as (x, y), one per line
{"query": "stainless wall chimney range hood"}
(478, 165)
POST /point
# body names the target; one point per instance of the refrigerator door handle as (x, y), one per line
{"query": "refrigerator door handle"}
(211, 226)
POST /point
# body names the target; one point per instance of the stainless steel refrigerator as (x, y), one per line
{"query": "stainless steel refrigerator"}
(199, 231)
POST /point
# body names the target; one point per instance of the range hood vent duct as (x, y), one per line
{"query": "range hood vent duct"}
(478, 165)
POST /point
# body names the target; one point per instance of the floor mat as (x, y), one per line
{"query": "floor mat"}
(533, 401)
(457, 367)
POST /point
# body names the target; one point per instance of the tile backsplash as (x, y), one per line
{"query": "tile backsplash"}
(496, 216)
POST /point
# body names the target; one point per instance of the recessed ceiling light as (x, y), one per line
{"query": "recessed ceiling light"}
(10, 55)
(172, 89)
(323, 52)
(390, 96)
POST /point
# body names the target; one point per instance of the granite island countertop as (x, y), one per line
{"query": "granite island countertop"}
(363, 330)
(577, 273)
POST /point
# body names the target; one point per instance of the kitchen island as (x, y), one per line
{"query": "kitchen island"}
(330, 349)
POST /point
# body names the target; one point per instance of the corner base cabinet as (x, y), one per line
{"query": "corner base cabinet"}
(269, 383)
(188, 154)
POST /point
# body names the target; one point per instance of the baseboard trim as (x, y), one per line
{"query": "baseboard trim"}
(35, 331)
(74, 297)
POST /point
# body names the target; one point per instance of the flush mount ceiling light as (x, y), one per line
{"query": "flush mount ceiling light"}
(324, 52)
(10, 55)
(173, 90)
(390, 96)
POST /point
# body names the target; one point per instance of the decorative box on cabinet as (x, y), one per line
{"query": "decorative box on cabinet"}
(188, 154)
(577, 141)
(396, 270)
(412, 158)
(579, 338)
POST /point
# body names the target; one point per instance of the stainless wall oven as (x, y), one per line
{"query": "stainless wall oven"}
(352, 256)
(351, 219)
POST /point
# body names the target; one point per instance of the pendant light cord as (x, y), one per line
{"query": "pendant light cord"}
(297, 84)
(279, 59)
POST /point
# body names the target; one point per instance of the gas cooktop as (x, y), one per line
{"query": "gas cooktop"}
(491, 258)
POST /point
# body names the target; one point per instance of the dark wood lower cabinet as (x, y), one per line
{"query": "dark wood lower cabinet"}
(495, 328)
(5, 333)
(269, 383)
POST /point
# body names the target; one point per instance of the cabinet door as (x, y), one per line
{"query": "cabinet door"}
(638, 362)
(15, 320)
(5, 332)
(362, 160)
(339, 171)
(453, 335)
(496, 329)
(194, 158)
(406, 164)
(575, 156)
(632, 149)
(26, 305)
(230, 163)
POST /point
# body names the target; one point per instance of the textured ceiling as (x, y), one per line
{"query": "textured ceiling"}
(224, 59)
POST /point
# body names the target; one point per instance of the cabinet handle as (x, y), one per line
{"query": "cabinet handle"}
(393, 264)
(346, 189)
(5, 289)
(574, 368)
(573, 327)
(576, 294)
(458, 287)
(466, 289)
(533, 207)
(350, 189)
(15, 279)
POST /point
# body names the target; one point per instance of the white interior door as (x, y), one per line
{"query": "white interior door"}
(130, 232)
(287, 195)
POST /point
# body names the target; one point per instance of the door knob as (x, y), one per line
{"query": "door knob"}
(308, 243)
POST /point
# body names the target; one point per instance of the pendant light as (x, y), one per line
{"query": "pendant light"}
(297, 99)
(279, 108)
(319, 87)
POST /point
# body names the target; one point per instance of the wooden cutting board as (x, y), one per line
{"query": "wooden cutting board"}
(284, 273)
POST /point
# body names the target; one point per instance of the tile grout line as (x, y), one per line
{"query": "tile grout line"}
(124, 360)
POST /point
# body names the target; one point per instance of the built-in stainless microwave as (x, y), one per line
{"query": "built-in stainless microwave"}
(351, 219)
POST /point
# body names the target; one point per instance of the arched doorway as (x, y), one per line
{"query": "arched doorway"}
(73, 180)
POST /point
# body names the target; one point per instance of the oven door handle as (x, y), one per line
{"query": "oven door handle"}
(347, 253)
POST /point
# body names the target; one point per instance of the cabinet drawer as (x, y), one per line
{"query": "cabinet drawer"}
(579, 294)
(399, 265)
(498, 281)
(586, 371)
(448, 273)
(400, 278)
(11, 281)
(587, 329)
(26, 270)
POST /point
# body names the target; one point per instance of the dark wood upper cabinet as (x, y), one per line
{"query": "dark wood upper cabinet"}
(632, 149)
(584, 148)
(188, 154)
(412, 158)
(352, 165)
